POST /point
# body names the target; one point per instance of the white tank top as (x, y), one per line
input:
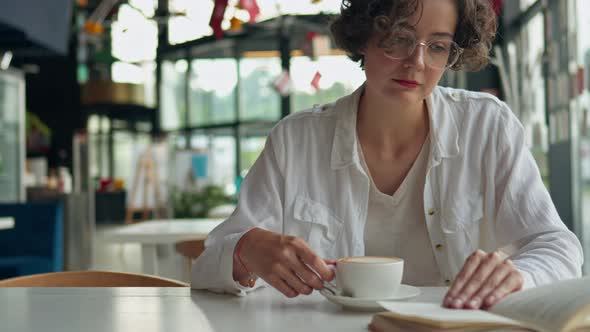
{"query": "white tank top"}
(396, 225)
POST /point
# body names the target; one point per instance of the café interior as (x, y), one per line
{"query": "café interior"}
(128, 126)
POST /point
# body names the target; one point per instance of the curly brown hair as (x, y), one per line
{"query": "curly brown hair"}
(360, 19)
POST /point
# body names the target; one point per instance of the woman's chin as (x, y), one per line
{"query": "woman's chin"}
(404, 96)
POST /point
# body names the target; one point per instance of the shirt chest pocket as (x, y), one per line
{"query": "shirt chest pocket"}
(323, 226)
(463, 214)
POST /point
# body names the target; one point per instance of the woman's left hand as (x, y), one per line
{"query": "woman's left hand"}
(484, 280)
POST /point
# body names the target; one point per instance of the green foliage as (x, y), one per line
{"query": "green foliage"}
(197, 204)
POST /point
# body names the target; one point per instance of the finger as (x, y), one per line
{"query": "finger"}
(244, 282)
(278, 283)
(477, 280)
(372, 328)
(471, 264)
(306, 274)
(293, 280)
(512, 283)
(306, 254)
(494, 280)
(330, 262)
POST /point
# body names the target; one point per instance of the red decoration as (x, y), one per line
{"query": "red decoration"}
(217, 18)
(252, 7)
(283, 84)
(315, 82)
(497, 6)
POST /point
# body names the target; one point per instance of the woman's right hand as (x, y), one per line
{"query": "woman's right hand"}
(285, 262)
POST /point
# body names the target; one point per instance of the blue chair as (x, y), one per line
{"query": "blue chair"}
(35, 244)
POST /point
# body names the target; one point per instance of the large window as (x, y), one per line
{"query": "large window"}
(274, 8)
(252, 141)
(257, 98)
(220, 147)
(190, 18)
(532, 85)
(525, 4)
(134, 40)
(339, 76)
(212, 87)
(134, 36)
(173, 106)
(127, 147)
(583, 105)
(98, 128)
(212, 91)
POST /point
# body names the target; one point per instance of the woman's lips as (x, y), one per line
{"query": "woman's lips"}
(408, 84)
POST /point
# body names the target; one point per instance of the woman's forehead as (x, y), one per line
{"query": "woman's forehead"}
(432, 17)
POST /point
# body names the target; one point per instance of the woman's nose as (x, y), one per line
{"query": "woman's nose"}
(417, 57)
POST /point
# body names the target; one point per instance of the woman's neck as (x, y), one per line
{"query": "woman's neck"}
(391, 127)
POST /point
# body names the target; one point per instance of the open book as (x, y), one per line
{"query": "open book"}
(559, 307)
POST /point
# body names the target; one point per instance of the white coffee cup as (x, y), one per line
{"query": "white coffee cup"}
(369, 276)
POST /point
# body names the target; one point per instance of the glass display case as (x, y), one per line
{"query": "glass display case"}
(12, 136)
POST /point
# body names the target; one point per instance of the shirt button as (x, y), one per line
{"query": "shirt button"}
(439, 247)
(431, 211)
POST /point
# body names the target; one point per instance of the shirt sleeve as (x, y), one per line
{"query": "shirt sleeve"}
(260, 204)
(546, 250)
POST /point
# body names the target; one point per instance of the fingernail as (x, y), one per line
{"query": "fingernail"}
(458, 303)
(490, 300)
(474, 303)
(448, 301)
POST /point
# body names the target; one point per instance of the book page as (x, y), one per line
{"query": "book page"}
(435, 315)
(549, 307)
(584, 325)
(387, 322)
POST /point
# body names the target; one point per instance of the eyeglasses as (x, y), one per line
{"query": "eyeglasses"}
(439, 53)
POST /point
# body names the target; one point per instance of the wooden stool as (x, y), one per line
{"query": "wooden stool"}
(190, 250)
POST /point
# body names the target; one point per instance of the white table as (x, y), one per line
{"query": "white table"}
(99, 310)
(6, 223)
(151, 234)
(268, 310)
(175, 309)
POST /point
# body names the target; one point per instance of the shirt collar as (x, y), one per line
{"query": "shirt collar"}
(444, 131)
(444, 121)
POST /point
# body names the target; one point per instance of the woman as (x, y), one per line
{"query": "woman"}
(401, 167)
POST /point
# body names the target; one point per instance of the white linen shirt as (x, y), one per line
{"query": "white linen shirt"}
(482, 190)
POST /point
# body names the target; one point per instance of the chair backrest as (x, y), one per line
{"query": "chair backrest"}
(191, 249)
(38, 232)
(90, 279)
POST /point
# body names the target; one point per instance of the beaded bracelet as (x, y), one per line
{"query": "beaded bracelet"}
(251, 276)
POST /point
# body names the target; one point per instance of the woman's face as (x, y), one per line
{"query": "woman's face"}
(411, 80)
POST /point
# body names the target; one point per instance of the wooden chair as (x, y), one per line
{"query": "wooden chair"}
(90, 279)
(190, 250)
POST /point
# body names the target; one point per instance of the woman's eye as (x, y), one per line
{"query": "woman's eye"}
(402, 40)
(441, 48)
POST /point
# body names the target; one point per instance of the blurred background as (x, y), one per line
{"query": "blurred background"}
(120, 111)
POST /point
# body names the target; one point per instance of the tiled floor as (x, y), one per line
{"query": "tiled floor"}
(127, 258)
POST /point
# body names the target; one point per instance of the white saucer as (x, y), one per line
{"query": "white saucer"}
(403, 293)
